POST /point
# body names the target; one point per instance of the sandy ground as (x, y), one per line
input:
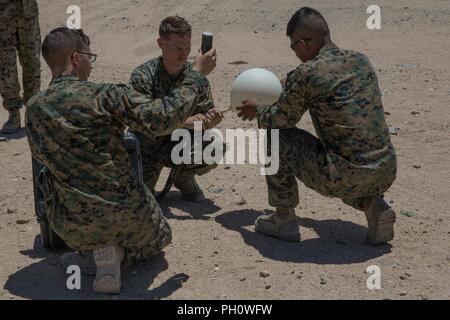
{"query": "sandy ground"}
(215, 253)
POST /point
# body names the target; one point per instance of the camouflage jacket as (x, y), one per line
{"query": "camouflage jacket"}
(340, 90)
(151, 78)
(75, 128)
(19, 8)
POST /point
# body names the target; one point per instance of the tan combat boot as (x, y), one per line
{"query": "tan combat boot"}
(108, 261)
(381, 219)
(12, 125)
(191, 191)
(282, 225)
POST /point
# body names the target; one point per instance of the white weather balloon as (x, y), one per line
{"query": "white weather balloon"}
(259, 84)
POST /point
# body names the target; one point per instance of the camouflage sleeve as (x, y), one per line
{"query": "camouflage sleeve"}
(36, 133)
(141, 82)
(156, 116)
(291, 106)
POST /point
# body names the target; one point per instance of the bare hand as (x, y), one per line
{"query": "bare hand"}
(248, 110)
(205, 63)
(190, 122)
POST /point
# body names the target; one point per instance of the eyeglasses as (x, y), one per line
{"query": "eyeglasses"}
(294, 44)
(92, 56)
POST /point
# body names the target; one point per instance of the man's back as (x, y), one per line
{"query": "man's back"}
(345, 105)
(80, 142)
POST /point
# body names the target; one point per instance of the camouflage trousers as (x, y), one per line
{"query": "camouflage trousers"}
(303, 157)
(156, 154)
(19, 35)
(134, 222)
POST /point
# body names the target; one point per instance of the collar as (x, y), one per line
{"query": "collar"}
(327, 47)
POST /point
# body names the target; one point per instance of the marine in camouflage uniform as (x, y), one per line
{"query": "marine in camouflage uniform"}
(75, 129)
(353, 157)
(152, 79)
(19, 32)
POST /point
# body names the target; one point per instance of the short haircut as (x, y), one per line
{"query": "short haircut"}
(174, 25)
(61, 43)
(302, 18)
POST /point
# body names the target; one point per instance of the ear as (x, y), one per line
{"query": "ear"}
(75, 59)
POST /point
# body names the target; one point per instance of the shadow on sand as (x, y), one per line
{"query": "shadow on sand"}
(339, 242)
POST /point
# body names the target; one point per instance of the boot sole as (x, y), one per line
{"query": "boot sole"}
(107, 279)
(382, 231)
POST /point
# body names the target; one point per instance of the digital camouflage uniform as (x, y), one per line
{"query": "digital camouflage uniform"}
(151, 78)
(352, 158)
(19, 31)
(75, 129)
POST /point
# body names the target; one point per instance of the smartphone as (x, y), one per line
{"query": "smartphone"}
(207, 42)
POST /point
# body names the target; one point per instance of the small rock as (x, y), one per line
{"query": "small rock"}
(242, 202)
(392, 131)
(292, 272)
(22, 221)
(299, 277)
(227, 167)
(323, 280)
(11, 211)
(408, 213)
(216, 252)
(216, 268)
(417, 167)
(242, 279)
(216, 238)
(414, 113)
(264, 274)
(402, 278)
(268, 287)
(403, 293)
